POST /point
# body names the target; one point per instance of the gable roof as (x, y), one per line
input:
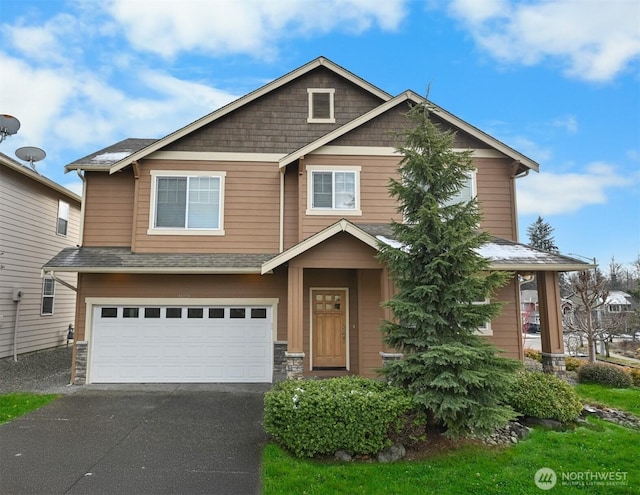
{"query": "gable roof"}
(502, 254)
(281, 81)
(411, 96)
(12, 164)
(104, 158)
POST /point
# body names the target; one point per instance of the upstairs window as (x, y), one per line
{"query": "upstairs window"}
(48, 294)
(321, 105)
(466, 193)
(191, 204)
(63, 218)
(333, 190)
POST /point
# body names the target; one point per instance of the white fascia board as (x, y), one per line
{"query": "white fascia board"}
(318, 238)
(349, 126)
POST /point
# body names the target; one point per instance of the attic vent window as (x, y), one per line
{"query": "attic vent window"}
(321, 105)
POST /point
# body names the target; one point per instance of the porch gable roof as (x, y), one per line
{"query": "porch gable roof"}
(503, 255)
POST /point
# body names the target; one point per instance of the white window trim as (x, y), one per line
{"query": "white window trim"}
(487, 331)
(153, 230)
(52, 296)
(332, 211)
(474, 186)
(331, 119)
(60, 216)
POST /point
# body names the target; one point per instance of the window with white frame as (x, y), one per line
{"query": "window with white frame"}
(321, 105)
(187, 203)
(63, 218)
(466, 193)
(333, 190)
(48, 295)
(485, 328)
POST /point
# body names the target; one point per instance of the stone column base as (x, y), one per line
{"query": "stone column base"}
(553, 363)
(295, 365)
(80, 375)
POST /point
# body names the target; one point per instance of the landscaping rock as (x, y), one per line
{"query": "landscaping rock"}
(392, 454)
(616, 416)
(508, 434)
(343, 456)
(550, 424)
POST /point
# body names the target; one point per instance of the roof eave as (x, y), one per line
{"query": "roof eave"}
(156, 270)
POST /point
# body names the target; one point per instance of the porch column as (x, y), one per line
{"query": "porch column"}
(295, 349)
(551, 323)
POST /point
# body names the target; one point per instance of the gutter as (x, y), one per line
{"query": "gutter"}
(282, 172)
(82, 203)
(60, 281)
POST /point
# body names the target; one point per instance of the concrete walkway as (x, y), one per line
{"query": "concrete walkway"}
(153, 439)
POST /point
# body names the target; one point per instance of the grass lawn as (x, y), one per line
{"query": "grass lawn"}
(19, 403)
(601, 447)
(627, 399)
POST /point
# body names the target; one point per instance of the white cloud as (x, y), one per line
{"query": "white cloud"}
(249, 27)
(594, 41)
(551, 193)
(569, 123)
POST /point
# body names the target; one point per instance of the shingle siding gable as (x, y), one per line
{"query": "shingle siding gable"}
(277, 122)
(382, 131)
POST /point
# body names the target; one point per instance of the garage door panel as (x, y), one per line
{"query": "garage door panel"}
(203, 345)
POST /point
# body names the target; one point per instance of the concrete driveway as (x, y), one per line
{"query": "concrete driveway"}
(153, 439)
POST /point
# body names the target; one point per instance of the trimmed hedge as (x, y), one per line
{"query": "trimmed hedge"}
(603, 374)
(543, 395)
(320, 417)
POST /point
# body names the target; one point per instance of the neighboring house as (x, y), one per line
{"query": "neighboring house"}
(38, 218)
(244, 244)
(529, 311)
(619, 302)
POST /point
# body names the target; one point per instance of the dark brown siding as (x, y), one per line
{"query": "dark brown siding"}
(384, 129)
(277, 121)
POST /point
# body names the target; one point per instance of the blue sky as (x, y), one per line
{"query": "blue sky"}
(558, 80)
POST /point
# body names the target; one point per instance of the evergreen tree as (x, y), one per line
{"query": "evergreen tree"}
(454, 373)
(540, 236)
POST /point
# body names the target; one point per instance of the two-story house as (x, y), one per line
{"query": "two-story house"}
(38, 218)
(245, 243)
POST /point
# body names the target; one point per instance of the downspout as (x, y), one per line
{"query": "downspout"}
(282, 172)
(60, 281)
(15, 331)
(84, 194)
(514, 175)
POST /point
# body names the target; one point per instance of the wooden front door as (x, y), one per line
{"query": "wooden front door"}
(329, 310)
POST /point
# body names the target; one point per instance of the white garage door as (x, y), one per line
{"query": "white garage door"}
(181, 344)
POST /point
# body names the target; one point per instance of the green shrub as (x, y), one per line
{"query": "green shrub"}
(320, 417)
(603, 374)
(572, 363)
(634, 373)
(533, 354)
(543, 395)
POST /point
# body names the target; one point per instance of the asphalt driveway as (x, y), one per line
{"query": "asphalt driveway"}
(153, 439)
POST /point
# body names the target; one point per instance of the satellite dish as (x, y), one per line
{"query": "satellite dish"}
(8, 126)
(30, 154)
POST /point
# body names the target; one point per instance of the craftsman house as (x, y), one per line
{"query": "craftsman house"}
(38, 218)
(244, 244)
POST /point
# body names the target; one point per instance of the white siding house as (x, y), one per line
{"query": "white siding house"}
(38, 218)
